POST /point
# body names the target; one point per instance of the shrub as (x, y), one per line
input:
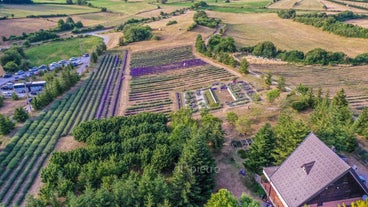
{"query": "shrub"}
(265, 49)
(286, 14)
(171, 22)
(15, 96)
(192, 26)
(5, 125)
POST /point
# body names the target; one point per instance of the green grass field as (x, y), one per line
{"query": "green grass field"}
(55, 51)
(43, 9)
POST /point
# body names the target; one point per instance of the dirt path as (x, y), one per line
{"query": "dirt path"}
(124, 95)
(64, 144)
(229, 165)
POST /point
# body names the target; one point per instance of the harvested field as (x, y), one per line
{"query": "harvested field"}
(298, 4)
(43, 9)
(359, 22)
(333, 7)
(250, 29)
(18, 26)
(353, 79)
(103, 18)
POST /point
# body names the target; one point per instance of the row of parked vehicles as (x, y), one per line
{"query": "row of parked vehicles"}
(21, 75)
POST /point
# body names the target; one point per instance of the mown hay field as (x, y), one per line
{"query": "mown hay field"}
(250, 29)
(18, 26)
(298, 4)
(43, 9)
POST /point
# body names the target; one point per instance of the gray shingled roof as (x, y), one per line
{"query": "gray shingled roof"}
(294, 184)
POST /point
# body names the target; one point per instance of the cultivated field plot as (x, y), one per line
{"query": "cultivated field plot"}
(250, 29)
(156, 76)
(353, 79)
(24, 156)
(298, 4)
(104, 18)
(363, 5)
(18, 26)
(43, 9)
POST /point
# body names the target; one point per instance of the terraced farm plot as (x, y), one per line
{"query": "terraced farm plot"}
(24, 156)
(156, 79)
(353, 79)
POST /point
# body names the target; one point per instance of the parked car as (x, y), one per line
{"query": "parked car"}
(72, 59)
(53, 66)
(7, 75)
(86, 55)
(16, 78)
(22, 77)
(7, 93)
(63, 63)
(21, 72)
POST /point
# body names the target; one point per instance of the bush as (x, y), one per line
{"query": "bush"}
(201, 18)
(192, 26)
(15, 96)
(291, 56)
(287, 14)
(1, 101)
(299, 105)
(171, 22)
(272, 95)
(20, 115)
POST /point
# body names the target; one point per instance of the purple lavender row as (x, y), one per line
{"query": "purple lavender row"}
(135, 72)
(120, 83)
(104, 97)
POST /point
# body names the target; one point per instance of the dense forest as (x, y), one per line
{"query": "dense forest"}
(136, 161)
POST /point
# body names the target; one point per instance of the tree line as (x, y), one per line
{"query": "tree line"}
(331, 121)
(136, 161)
(14, 59)
(55, 88)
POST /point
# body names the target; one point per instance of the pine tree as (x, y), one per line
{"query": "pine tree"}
(289, 134)
(281, 84)
(5, 125)
(361, 123)
(244, 66)
(20, 115)
(339, 99)
(260, 152)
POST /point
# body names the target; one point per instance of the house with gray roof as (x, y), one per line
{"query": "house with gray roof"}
(312, 175)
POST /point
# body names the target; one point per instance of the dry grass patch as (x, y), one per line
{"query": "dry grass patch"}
(331, 6)
(250, 29)
(174, 35)
(104, 18)
(18, 26)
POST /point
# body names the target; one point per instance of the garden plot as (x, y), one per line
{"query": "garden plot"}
(158, 76)
(358, 102)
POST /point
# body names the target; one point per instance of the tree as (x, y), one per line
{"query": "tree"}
(244, 125)
(289, 134)
(361, 123)
(200, 45)
(281, 84)
(94, 57)
(265, 49)
(135, 33)
(223, 198)
(260, 153)
(244, 66)
(69, 1)
(339, 100)
(20, 115)
(231, 117)
(1, 101)
(272, 95)
(5, 125)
